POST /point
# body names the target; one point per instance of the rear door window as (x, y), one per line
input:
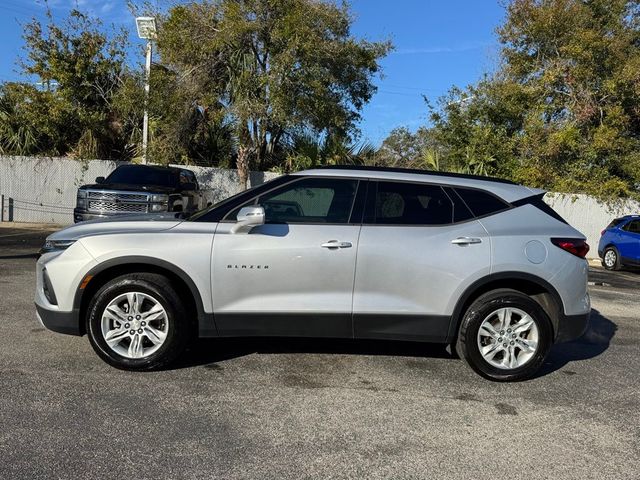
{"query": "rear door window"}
(399, 203)
(460, 210)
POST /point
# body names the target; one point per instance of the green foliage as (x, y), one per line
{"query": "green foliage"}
(234, 82)
(274, 67)
(80, 69)
(304, 150)
(562, 111)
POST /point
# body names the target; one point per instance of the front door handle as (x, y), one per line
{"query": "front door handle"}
(336, 244)
(466, 240)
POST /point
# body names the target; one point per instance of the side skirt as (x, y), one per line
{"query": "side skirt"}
(418, 328)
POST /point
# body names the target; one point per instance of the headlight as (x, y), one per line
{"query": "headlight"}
(55, 245)
(81, 199)
(158, 207)
(159, 197)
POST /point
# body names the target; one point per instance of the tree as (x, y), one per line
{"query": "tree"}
(562, 110)
(275, 67)
(402, 148)
(306, 150)
(82, 69)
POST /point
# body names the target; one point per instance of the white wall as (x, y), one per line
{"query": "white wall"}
(589, 215)
(44, 191)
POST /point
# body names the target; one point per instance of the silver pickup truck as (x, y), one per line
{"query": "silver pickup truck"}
(139, 189)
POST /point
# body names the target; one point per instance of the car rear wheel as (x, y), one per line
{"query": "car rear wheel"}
(505, 336)
(611, 259)
(137, 322)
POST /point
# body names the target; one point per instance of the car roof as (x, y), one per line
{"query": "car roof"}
(505, 189)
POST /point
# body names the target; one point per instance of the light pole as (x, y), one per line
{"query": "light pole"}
(147, 31)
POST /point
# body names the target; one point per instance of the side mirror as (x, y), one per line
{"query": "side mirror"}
(248, 217)
(188, 187)
(99, 179)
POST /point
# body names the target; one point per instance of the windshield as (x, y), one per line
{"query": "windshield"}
(141, 175)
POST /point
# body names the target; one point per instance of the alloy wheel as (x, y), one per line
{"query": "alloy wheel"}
(508, 338)
(134, 325)
(610, 258)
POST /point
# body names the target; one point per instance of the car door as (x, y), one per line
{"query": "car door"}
(417, 245)
(628, 242)
(294, 275)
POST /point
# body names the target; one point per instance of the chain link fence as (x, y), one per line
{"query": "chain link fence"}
(43, 189)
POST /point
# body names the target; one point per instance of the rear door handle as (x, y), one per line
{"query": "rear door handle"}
(336, 244)
(466, 240)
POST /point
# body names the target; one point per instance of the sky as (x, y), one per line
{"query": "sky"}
(438, 44)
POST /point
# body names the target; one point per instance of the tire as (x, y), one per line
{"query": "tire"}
(611, 259)
(136, 344)
(486, 311)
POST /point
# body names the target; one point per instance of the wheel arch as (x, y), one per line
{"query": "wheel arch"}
(110, 269)
(539, 289)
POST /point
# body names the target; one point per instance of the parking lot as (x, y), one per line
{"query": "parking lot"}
(313, 408)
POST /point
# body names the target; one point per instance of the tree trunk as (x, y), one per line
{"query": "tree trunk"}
(242, 165)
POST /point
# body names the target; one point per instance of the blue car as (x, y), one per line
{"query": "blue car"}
(620, 243)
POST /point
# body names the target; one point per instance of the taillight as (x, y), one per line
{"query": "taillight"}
(575, 246)
(602, 232)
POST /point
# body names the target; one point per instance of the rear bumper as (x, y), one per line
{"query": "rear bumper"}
(572, 327)
(60, 322)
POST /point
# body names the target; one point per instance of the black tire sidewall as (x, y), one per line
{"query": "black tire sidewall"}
(479, 310)
(163, 294)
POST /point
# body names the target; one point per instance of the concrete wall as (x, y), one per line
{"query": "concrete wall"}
(43, 190)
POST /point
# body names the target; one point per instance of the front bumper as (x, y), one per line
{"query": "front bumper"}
(572, 327)
(61, 322)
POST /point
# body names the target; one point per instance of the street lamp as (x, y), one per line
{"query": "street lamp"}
(147, 31)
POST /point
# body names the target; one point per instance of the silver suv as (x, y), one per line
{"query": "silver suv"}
(481, 264)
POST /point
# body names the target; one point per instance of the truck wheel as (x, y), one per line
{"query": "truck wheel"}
(505, 335)
(137, 322)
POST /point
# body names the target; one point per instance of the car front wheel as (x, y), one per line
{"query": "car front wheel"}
(137, 322)
(505, 335)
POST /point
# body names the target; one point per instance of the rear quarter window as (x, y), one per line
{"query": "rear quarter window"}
(481, 203)
(540, 204)
(615, 222)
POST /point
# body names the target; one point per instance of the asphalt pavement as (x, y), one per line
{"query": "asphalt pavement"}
(293, 409)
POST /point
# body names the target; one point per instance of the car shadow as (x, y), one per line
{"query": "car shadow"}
(18, 255)
(594, 342)
(209, 351)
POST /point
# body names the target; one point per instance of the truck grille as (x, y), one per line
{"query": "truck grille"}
(136, 197)
(113, 207)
